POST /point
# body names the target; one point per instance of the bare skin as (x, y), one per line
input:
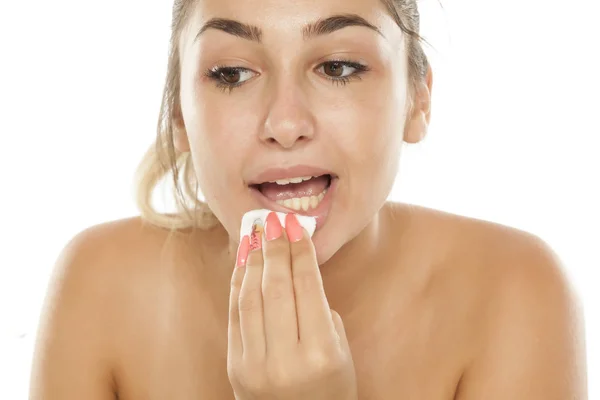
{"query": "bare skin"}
(451, 308)
(435, 306)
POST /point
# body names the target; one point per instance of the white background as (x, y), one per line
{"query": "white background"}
(513, 139)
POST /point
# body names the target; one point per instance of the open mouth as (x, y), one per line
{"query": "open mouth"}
(303, 194)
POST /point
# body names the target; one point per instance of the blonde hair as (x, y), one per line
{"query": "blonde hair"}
(162, 160)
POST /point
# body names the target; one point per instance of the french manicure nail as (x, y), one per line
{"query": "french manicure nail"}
(293, 228)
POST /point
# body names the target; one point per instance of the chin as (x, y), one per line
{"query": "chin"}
(324, 253)
(327, 244)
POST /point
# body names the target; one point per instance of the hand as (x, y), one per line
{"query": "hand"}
(284, 342)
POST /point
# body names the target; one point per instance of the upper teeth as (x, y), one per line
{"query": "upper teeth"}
(293, 180)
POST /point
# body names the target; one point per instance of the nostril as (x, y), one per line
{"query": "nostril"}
(273, 140)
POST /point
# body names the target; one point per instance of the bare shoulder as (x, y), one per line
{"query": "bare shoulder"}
(98, 261)
(117, 263)
(508, 267)
(102, 278)
(526, 317)
(502, 253)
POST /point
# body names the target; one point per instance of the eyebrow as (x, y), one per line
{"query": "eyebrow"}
(319, 28)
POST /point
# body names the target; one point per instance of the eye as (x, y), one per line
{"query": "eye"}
(234, 76)
(342, 71)
(336, 69)
(228, 78)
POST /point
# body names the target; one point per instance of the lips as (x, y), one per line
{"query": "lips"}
(274, 174)
(269, 195)
(321, 212)
(306, 188)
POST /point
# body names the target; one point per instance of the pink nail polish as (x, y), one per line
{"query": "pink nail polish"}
(273, 227)
(293, 228)
(243, 250)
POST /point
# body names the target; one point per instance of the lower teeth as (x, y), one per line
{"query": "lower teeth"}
(303, 203)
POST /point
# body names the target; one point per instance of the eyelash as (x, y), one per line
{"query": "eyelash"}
(215, 74)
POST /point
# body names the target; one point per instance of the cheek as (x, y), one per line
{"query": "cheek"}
(216, 129)
(369, 126)
(221, 121)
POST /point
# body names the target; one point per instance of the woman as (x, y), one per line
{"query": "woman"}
(266, 103)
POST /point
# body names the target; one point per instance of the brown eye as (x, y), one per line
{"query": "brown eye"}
(341, 70)
(231, 76)
(335, 69)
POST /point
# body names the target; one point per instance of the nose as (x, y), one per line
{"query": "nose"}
(289, 121)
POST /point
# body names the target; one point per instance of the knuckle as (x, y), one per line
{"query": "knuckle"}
(323, 362)
(254, 260)
(233, 371)
(254, 383)
(275, 290)
(236, 280)
(306, 281)
(301, 249)
(250, 376)
(277, 249)
(276, 286)
(280, 378)
(250, 300)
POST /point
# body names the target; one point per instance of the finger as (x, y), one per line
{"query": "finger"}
(340, 329)
(281, 325)
(234, 337)
(315, 325)
(250, 305)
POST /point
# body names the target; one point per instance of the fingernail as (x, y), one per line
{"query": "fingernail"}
(256, 236)
(243, 250)
(273, 228)
(293, 228)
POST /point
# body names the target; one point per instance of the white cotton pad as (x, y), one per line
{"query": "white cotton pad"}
(260, 216)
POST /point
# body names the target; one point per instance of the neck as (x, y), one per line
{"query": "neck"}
(346, 276)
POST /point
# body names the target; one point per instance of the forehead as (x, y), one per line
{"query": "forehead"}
(257, 7)
(286, 16)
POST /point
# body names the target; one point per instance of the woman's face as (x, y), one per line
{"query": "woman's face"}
(265, 97)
